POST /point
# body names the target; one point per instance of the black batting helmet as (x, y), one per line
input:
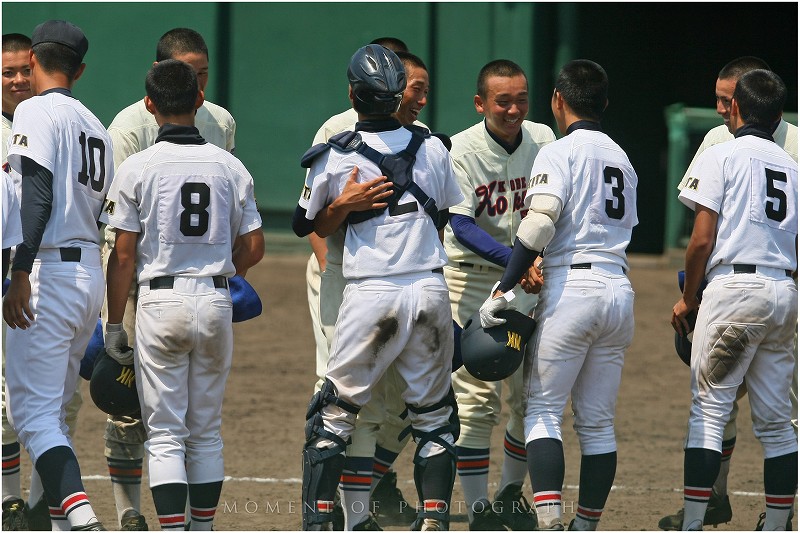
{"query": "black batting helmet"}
(113, 386)
(378, 79)
(495, 353)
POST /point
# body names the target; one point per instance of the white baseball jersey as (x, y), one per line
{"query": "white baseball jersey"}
(493, 183)
(82, 174)
(134, 129)
(188, 203)
(336, 124)
(408, 243)
(785, 136)
(752, 183)
(12, 223)
(6, 124)
(596, 184)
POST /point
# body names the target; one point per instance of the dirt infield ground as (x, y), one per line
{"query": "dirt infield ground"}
(272, 380)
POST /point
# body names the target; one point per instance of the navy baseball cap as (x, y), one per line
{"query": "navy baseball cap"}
(61, 32)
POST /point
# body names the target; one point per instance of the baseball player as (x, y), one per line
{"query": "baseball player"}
(63, 154)
(375, 443)
(582, 209)
(492, 160)
(785, 135)
(744, 239)
(404, 313)
(16, 88)
(186, 221)
(133, 130)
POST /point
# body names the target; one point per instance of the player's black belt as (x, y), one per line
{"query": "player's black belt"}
(439, 270)
(751, 269)
(72, 255)
(581, 266)
(167, 282)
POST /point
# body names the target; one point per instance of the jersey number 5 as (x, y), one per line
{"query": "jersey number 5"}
(195, 199)
(775, 208)
(88, 165)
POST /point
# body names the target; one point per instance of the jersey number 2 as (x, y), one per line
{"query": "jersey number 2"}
(195, 199)
(88, 166)
(775, 208)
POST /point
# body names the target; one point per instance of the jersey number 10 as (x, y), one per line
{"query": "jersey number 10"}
(89, 166)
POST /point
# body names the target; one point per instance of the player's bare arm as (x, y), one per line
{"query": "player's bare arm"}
(120, 274)
(320, 249)
(16, 303)
(698, 251)
(249, 251)
(355, 197)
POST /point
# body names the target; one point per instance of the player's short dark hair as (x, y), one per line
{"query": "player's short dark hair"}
(16, 42)
(584, 86)
(172, 86)
(179, 41)
(54, 57)
(410, 59)
(503, 68)
(392, 43)
(760, 95)
(741, 65)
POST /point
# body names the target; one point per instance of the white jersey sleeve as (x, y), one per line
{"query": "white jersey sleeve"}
(12, 223)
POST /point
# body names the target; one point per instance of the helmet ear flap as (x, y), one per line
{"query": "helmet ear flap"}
(495, 353)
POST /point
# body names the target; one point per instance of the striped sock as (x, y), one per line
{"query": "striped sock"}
(721, 483)
(170, 502)
(78, 510)
(695, 503)
(203, 498)
(383, 461)
(11, 477)
(586, 519)
(515, 462)
(355, 484)
(126, 481)
(548, 507)
(473, 470)
(58, 521)
(780, 486)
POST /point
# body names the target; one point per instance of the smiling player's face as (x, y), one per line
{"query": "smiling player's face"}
(505, 105)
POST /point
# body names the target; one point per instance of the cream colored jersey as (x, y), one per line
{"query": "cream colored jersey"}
(785, 136)
(494, 184)
(134, 129)
(188, 202)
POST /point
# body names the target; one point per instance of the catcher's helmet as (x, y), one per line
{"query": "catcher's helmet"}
(113, 386)
(495, 353)
(378, 79)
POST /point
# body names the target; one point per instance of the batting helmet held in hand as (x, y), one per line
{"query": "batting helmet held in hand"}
(683, 346)
(495, 353)
(113, 386)
(378, 79)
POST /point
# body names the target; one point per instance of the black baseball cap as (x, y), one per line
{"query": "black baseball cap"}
(61, 32)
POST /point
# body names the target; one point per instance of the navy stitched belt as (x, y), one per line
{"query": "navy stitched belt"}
(167, 282)
(72, 255)
(751, 269)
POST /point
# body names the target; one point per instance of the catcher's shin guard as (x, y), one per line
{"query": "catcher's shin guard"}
(323, 459)
(434, 475)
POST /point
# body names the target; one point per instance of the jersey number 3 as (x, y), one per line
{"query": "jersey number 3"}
(615, 208)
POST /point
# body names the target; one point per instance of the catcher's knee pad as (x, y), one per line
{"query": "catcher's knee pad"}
(453, 427)
(323, 458)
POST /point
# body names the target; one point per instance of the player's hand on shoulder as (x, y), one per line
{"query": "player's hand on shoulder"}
(116, 344)
(16, 303)
(364, 196)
